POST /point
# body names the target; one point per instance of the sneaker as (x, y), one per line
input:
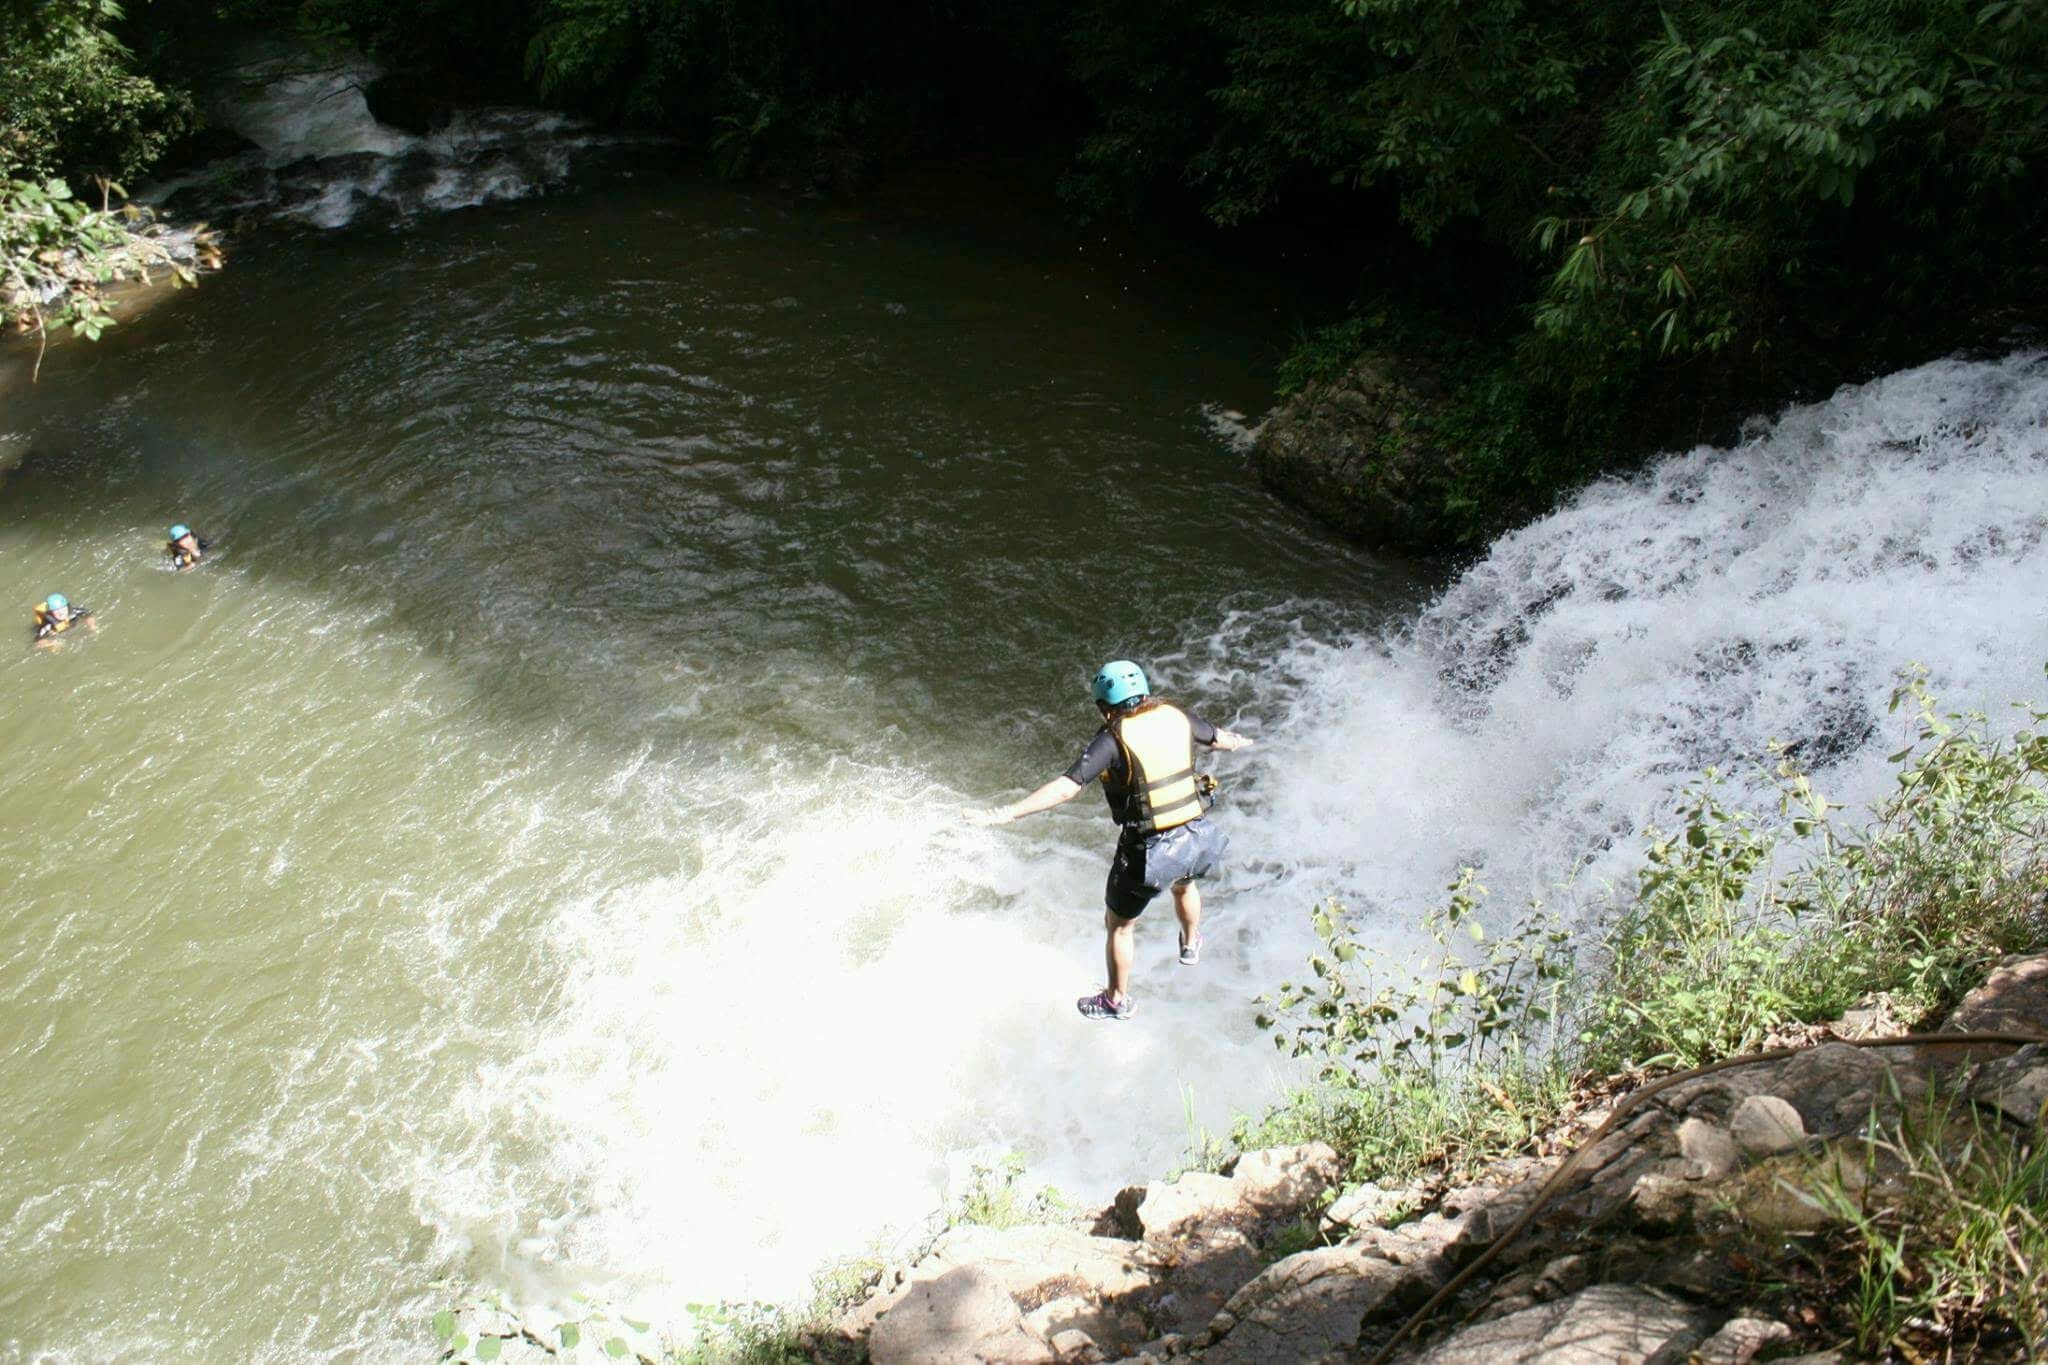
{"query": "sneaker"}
(1191, 951)
(1101, 1006)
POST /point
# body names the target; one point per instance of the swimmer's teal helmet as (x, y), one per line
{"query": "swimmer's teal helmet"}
(180, 531)
(57, 601)
(1117, 681)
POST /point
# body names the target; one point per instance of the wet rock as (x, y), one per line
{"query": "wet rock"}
(1739, 1341)
(963, 1315)
(1708, 1148)
(1358, 453)
(1765, 1126)
(1605, 1325)
(1302, 1307)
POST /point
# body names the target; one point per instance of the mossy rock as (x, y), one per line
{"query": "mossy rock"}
(1359, 453)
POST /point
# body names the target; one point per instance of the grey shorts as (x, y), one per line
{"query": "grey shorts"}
(1148, 864)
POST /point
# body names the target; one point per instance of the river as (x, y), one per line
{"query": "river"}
(527, 852)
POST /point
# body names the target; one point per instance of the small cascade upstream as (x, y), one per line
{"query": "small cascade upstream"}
(321, 157)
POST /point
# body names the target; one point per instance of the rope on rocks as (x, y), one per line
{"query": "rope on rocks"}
(1570, 1165)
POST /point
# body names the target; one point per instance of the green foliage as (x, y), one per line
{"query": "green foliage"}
(993, 1199)
(1694, 971)
(1423, 1066)
(478, 1329)
(69, 105)
(1324, 354)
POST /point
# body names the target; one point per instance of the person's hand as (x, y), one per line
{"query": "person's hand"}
(1230, 740)
(983, 816)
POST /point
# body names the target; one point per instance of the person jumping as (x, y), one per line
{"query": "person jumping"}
(1144, 755)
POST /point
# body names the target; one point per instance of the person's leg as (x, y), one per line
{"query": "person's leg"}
(1116, 953)
(1187, 908)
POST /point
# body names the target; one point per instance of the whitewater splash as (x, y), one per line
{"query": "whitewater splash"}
(322, 158)
(782, 1053)
(1555, 699)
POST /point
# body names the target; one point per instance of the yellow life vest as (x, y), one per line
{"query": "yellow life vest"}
(1159, 754)
(46, 617)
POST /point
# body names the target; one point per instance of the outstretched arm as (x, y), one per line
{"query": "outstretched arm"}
(1231, 739)
(1057, 792)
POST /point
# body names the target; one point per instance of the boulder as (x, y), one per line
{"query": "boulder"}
(1740, 1340)
(1075, 1347)
(1033, 1260)
(1357, 452)
(1765, 1126)
(1782, 1196)
(1107, 1330)
(1285, 1180)
(2016, 1086)
(1363, 1207)
(1202, 1279)
(1562, 1276)
(1162, 1209)
(1303, 1307)
(1609, 1324)
(1708, 1148)
(963, 1315)
(1033, 1265)
(1264, 1186)
(2012, 999)
(1833, 1086)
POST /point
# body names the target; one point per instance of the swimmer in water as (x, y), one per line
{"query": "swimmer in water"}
(185, 548)
(56, 616)
(1144, 756)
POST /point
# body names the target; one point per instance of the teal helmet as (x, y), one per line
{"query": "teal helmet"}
(57, 601)
(1119, 680)
(180, 531)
